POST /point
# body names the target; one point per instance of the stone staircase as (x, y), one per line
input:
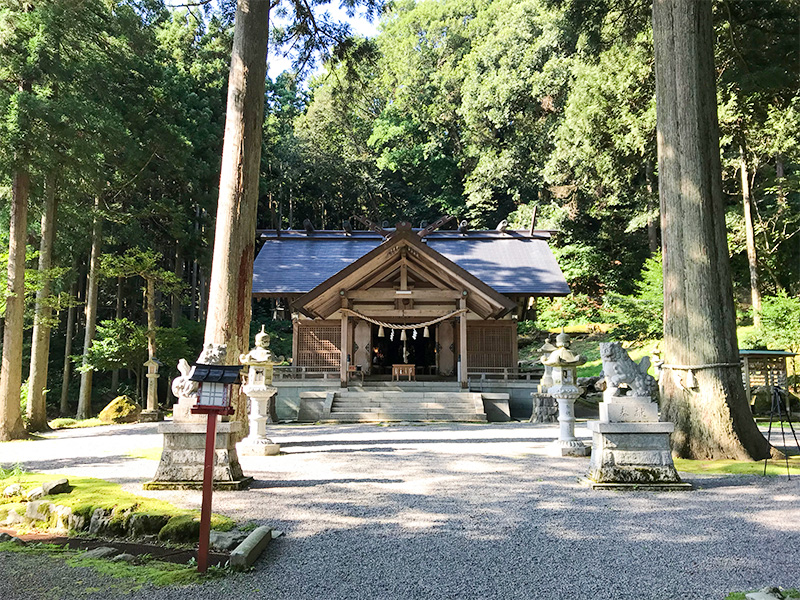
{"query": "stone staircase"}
(405, 401)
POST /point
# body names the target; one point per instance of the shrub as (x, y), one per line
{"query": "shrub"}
(640, 316)
(780, 322)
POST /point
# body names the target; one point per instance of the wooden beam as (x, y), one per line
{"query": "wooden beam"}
(462, 344)
(345, 346)
(377, 295)
(394, 314)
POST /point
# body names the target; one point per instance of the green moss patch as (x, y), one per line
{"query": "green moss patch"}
(146, 453)
(153, 572)
(737, 467)
(89, 494)
(66, 423)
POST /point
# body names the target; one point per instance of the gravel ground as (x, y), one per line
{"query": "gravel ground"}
(451, 510)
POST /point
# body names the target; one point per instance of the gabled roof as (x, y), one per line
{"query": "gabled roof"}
(510, 262)
(404, 250)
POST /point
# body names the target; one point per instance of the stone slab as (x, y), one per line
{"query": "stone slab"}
(222, 427)
(239, 484)
(659, 427)
(496, 408)
(246, 553)
(644, 487)
(628, 412)
(246, 449)
(150, 416)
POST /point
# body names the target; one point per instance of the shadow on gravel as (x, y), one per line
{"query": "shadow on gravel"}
(297, 483)
(358, 442)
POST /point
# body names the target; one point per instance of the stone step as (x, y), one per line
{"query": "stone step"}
(415, 394)
(408, 416)
(406, 407)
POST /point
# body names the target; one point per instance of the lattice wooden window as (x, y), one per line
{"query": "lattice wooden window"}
(318, 344)
(490, 345)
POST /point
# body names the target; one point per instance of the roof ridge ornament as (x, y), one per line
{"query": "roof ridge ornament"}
(440, 222)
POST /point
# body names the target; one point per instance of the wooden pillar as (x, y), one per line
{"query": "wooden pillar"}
(462, 342)
(345, 350)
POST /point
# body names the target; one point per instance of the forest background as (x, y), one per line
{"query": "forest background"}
(114, 111)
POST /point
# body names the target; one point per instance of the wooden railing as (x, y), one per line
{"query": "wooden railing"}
(504, 373)
(284, 373)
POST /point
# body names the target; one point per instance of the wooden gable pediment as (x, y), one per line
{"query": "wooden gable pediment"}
(403, 279)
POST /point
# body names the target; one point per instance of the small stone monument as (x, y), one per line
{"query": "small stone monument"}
(183, 457)
(630, 446)
(564, 365)
(152, 413)
(259, 362)
(543, 407)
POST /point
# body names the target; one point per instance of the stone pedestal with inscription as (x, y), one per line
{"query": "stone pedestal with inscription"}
(630, 446)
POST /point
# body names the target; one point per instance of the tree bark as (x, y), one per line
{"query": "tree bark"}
(117, 316)
(150, 302)
(11, 426)
(85, 394)
(712, 419)
(750, 235)
(176, 312)
(652, 222)
(229, 303)
(64, 408)
(40, 348)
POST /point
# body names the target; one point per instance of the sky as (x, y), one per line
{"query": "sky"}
(360, 26)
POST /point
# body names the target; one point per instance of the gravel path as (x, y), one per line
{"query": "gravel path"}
(456, 511)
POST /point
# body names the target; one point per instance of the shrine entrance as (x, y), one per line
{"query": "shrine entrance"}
(388, 351)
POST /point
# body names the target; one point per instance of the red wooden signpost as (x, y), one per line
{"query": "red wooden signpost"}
(214, 399)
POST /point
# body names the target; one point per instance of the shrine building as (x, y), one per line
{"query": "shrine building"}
(403, 304)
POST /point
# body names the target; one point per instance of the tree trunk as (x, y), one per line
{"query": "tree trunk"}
(652, 221)
(750, 236)
(175, 316)
(229, 304)
(712, 418)
(40, 348)
(117, 316)
(85, 394)
(11, 427)
(64, 408)
(150, 303)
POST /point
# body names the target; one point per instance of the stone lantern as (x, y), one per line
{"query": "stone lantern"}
(564, 366)
(259, 362)
(152, 413)
(543, 407)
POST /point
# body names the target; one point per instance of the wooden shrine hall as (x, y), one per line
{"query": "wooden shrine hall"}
(406, 302)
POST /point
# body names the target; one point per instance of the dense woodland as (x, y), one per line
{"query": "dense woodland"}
(112, 124)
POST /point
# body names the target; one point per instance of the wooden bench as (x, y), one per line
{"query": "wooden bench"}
(404, 370)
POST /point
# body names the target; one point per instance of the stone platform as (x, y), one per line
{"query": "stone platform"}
(183, 457)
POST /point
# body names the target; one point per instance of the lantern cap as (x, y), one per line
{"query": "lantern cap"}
(216, 373)
(547, 346)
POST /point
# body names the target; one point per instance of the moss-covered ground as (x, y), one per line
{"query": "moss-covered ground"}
(735, 467)
(89, 494)
(131, 576)
(67, 423)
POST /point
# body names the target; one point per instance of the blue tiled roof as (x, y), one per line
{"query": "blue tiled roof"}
(511, 263)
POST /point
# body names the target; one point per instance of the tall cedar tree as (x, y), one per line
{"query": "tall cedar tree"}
(712, 418)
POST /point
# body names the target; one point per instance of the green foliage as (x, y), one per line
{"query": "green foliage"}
(122, 344)
(570, 310)
(780, 322)
(639, 316)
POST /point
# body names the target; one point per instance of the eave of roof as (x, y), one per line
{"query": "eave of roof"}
(511, 262)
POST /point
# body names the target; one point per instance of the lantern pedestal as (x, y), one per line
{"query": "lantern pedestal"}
(257, 443)
(183, 458)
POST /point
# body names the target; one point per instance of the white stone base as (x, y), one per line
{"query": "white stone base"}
(150, 416)
(183, 456)
(259, 449)
(568, 448)
(632, 453)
